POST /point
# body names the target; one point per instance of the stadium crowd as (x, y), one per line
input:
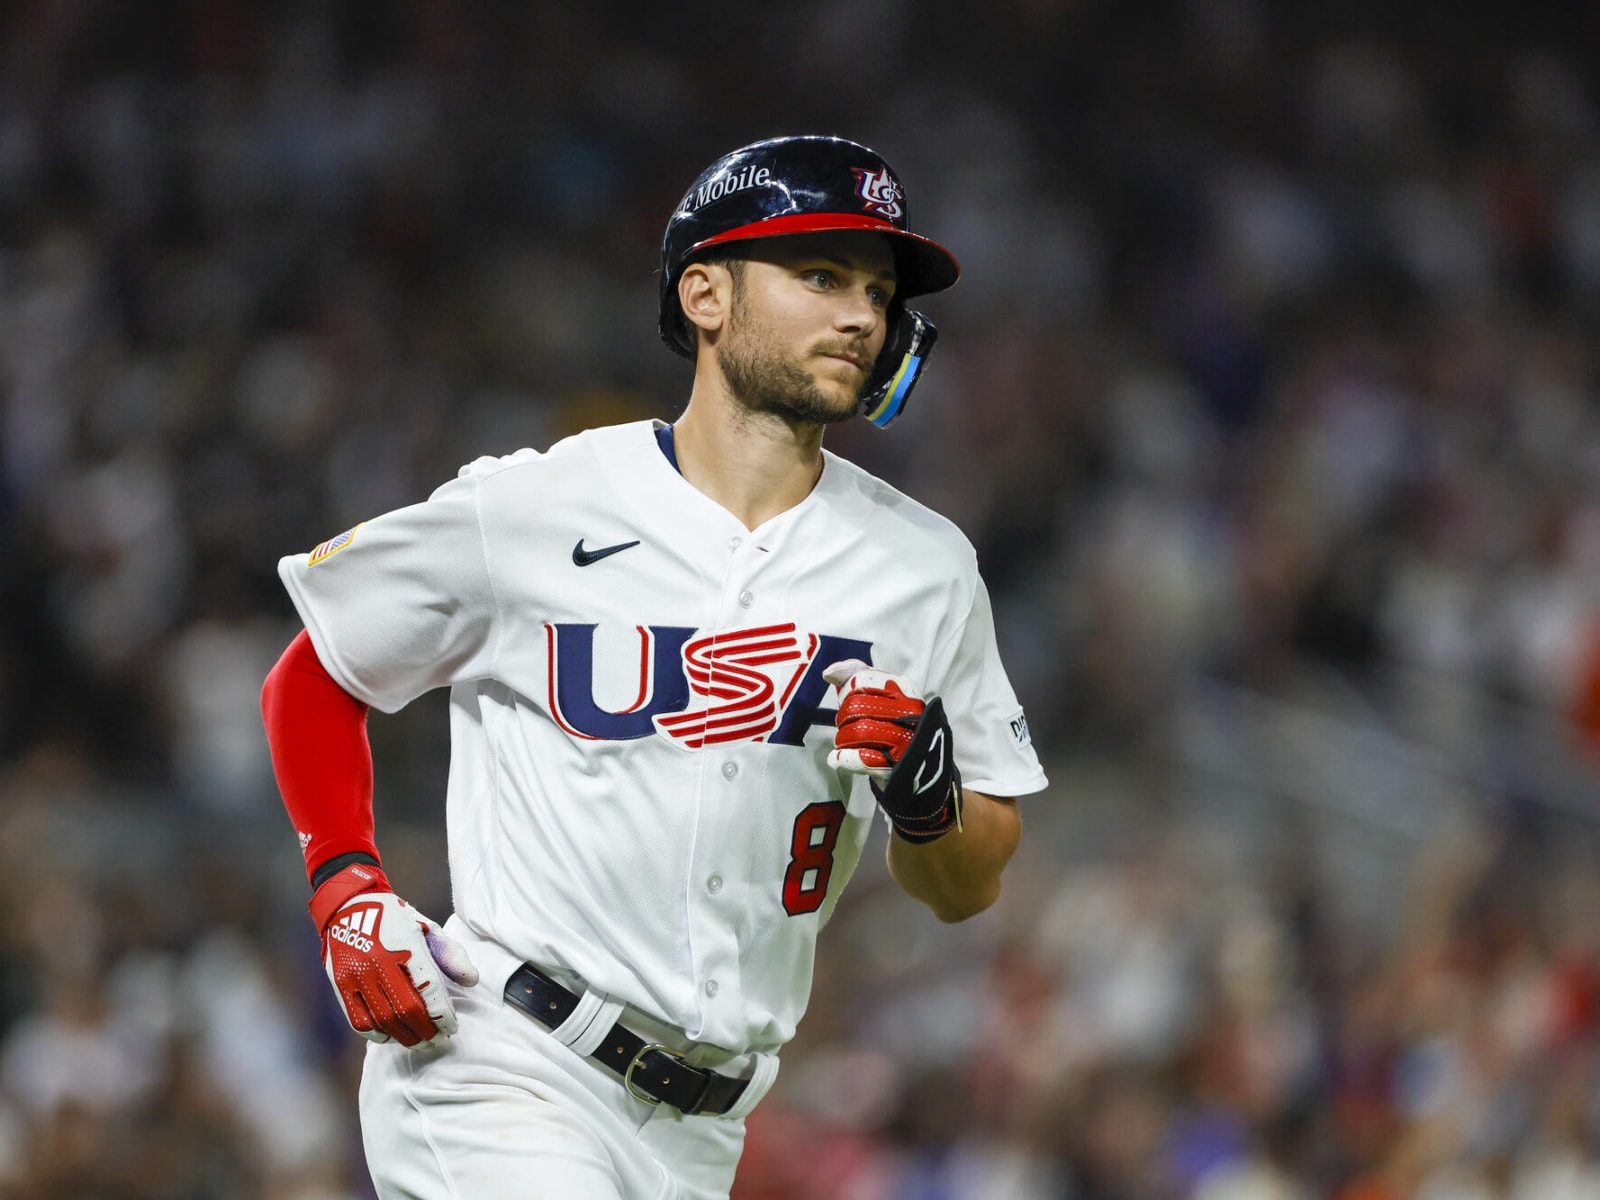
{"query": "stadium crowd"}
(1268, 398)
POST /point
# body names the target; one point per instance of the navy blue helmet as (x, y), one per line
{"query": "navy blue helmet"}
(810, 185)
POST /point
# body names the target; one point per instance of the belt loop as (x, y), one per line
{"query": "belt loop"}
(589, 1023)
(761, 1081)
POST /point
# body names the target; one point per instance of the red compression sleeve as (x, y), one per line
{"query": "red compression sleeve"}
(317, 732)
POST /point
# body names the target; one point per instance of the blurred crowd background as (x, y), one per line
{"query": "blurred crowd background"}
(1268, 398)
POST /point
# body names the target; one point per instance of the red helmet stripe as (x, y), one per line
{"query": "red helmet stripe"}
(822, 222)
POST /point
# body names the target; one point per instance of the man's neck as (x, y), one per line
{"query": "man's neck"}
(756, 465)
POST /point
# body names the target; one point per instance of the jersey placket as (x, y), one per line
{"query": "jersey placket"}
(730, 768)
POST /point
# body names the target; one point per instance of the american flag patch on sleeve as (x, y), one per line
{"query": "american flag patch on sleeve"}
(332, 546)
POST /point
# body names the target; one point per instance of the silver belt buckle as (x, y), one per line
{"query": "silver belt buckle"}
(633, 1065)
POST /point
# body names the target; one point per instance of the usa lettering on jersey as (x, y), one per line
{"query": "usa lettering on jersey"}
(763, 683)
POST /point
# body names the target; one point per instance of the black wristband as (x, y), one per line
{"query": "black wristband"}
(334, 865)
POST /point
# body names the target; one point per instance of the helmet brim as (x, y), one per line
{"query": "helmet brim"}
(921, 264)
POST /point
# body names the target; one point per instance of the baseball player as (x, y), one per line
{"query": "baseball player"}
(687, 664)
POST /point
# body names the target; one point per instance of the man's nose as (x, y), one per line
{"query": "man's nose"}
(857, 313)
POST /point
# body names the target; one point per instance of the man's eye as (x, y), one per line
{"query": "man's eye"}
(820, 278)
(880, 298)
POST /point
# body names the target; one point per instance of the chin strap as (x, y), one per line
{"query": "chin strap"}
(900, 364)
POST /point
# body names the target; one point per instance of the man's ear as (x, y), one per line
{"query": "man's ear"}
(705, 291)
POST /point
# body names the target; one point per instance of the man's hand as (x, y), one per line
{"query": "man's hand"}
(387, 962)
(887, 732)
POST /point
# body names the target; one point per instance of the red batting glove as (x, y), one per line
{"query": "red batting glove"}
(902, 743)
(878, 713)
(387, 962)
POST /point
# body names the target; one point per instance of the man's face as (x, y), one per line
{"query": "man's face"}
(807, 324)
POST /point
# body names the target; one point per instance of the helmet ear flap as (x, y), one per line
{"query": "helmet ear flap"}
(905, 352)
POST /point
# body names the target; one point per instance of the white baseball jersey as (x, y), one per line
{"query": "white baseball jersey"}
(638, 790)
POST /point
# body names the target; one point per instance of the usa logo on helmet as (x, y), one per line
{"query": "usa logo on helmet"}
(881, 191)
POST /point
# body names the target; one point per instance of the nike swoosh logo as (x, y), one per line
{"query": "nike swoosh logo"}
(584, 557)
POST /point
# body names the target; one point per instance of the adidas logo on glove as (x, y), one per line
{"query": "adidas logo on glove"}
(351, 930)
(387, 962)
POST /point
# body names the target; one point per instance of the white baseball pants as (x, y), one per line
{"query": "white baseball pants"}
(505, 1110)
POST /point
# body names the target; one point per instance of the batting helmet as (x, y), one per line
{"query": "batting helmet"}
(809, 185)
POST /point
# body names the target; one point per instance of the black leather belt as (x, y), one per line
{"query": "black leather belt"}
(653, 1073)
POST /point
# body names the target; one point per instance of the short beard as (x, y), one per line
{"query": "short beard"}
(768, 383)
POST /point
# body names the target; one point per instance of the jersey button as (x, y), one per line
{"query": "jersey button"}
(729, 770)
(746, 599)
(714, 884)
(711, 987)
(735, 542)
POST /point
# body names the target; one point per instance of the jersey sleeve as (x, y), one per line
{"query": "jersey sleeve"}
(403, 603)
(993, 747)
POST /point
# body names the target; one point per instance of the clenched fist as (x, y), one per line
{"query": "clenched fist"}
(387, 962)
(901, 742)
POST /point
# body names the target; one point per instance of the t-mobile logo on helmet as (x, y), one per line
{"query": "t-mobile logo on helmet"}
(881, 191)
(726, 185)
